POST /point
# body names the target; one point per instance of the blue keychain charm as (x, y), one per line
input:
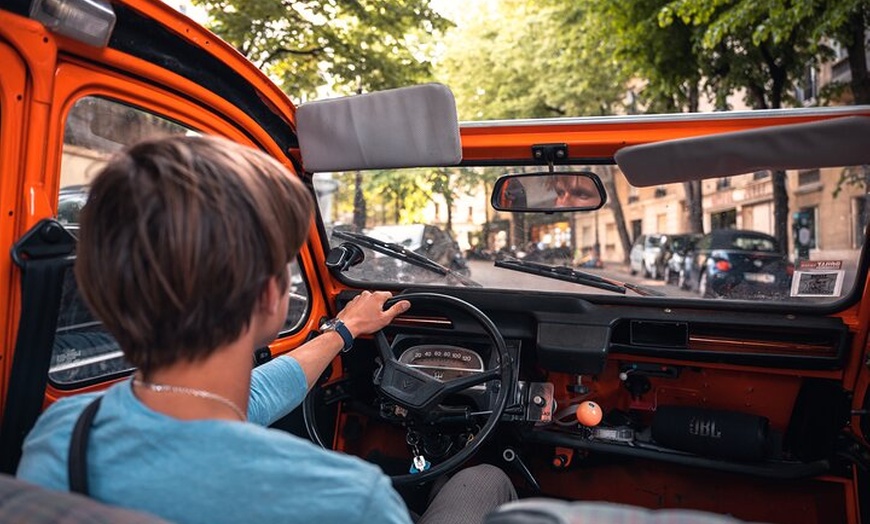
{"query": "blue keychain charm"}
(419, 464)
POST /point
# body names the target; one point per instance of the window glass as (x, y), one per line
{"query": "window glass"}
(737, 251)
(95, 129)
(298, 298)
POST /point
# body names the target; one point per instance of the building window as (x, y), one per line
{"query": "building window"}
(632, 195)
(723, 183)
(760, 175)
(636, 229)
(661, 191)
(808, 87)
(724, 220)
(809, 176)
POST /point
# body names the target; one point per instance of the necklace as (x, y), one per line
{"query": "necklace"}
(199, 393)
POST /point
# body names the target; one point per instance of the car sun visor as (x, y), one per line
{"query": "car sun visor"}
(830, 143)
(407, 127)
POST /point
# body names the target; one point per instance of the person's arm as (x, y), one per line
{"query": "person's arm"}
(364, 315)
(279, 386)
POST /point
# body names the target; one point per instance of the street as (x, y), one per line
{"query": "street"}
(488, 275)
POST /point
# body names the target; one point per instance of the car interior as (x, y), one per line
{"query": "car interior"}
(593, 391)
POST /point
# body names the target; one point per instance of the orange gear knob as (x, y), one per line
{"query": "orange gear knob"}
(589, 413)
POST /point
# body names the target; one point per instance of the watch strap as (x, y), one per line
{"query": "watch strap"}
(338, 326)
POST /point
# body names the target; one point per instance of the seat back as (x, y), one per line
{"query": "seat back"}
(548, 511)
(21, 502)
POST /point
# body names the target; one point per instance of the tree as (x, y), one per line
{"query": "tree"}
(845, 23)
(345, 44)
(669, 60)
(737, 42)
(524, 59)
(619, 218)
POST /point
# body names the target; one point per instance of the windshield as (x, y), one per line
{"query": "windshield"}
(724, 245)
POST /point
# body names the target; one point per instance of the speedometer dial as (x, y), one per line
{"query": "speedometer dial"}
(442, 362)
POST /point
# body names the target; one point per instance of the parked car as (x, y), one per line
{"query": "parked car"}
(646, 255)
(677, 258)
(424, 239)
(739, 263)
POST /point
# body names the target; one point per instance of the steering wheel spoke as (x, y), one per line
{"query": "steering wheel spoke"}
(460, 384)
(410, 387)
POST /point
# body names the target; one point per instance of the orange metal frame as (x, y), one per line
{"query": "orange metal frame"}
(45, 74)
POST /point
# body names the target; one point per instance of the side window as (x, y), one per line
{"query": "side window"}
(298, 298)
(95, 129)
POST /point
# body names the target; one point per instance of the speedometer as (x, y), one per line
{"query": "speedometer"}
(442, 362)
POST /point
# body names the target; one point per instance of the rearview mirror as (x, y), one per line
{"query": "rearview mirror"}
(548, 192)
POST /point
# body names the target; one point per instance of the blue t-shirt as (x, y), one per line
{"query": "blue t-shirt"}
(212, 470)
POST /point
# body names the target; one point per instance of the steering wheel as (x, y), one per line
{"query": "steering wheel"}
(420, 393)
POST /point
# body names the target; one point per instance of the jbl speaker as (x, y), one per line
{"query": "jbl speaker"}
(711, 433)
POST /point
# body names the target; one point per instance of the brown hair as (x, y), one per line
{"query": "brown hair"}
(178, 239)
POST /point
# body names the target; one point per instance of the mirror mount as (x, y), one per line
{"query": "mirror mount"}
(550, 153)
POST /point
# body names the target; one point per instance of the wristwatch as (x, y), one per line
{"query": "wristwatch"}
(338, 326)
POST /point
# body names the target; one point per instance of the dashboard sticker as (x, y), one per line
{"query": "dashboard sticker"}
(818, 278)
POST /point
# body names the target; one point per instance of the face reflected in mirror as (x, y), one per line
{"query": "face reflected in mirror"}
(561, 191)
(574, 191)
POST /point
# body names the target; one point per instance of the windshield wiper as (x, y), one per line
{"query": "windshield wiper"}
(577, 277)
(405, 255)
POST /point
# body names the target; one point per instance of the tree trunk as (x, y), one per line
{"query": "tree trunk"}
(780, 185)
(518, 235)
(618, 217)
(692, 189)
(860, 82)
(359, 203)
(780, 209)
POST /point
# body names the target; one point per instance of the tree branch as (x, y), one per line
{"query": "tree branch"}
(286, 51)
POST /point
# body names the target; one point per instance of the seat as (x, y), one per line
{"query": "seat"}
(21, 502)
(549, 511)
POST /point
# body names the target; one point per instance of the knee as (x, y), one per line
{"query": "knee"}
(487, 478)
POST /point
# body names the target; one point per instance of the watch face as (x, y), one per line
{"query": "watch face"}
(329, 325)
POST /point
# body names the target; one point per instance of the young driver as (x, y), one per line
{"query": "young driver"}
(183, 255)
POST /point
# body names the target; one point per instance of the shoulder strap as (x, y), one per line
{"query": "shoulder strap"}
(78, 449)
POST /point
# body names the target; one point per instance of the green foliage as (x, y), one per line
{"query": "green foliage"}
(346, 44)
(400, 196)
(666, 57)
(524, 59)
(853, 176)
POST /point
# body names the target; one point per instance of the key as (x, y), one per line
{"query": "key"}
(419, 464)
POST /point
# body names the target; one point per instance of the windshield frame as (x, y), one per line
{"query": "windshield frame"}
(479, 151)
